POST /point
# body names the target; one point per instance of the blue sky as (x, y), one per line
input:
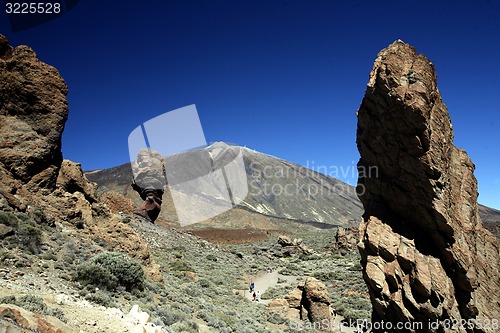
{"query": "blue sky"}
(281, 77)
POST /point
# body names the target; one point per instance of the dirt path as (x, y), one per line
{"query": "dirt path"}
(266, 280)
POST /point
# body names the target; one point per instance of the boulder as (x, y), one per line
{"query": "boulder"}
(316, 301)
(425, 253)
(71, 179)
(294, 298)
(21, 318)
(33, 111)
(345, 240)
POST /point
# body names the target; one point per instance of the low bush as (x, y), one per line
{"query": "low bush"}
(9, 219)
(110, 270)
(34, 304)
(188, 326)
(31, 238)
(100, 297)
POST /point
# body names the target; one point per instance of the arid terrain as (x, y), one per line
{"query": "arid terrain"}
(74, 257)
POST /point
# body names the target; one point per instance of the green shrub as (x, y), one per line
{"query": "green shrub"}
(8, 300)
(100, 298)
(180, 265)
(110, 270)
(39, 216)
(9, 219)
(57, 313)
(188, 326)
(356, 267)
(22, 216)
(211, 257)
(30, 238)
(34, 304)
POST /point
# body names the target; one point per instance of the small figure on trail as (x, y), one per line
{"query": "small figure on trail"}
(252, 286)
(254, 296)
(258, 296)
(149, 181)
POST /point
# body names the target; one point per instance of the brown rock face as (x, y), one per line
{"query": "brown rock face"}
(345, 240)
(316, 300)
(33, 322)
(309, 301)
(33, 111)
(425, 253)
(71, 179)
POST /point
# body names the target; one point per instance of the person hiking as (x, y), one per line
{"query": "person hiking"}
(252, 286)
(258, 296)
(254, 296)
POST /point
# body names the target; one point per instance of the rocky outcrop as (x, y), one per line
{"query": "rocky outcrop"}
(17, 319)
(316, 300)
(346, 240)
(71, 179)
(117, 203)
(425, 253)
(309, 301)
(33, 175)
(33, 111)
(290, 247)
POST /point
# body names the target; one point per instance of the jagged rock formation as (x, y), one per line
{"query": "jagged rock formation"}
(345, 240)
(425, 253)
(295, 246)
(33, 111)
(71, 179)
(16, 319)
(316, 300)
(491, 220)
(33, 175)
(309, 301)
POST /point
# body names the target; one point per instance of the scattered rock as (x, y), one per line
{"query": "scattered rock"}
(425, 253)
(33, 321)
(117, 203)
(5, 231)
(71, 179)
(190, 275)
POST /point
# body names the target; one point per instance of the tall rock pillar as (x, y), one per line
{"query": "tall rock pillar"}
(425, 254)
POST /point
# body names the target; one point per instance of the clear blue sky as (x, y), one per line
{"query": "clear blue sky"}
(281, 77)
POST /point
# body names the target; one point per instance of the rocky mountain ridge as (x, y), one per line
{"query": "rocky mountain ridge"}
(341, 208)
(276, 188)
